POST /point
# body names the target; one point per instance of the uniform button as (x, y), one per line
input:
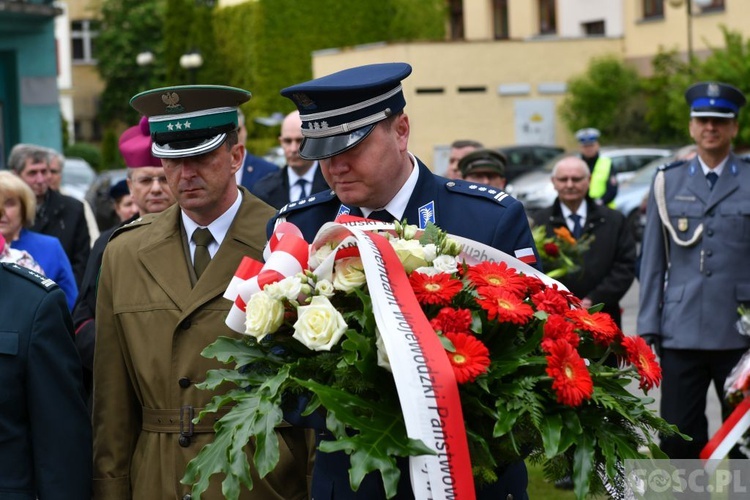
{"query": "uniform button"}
(184, 441)
(709, 253)
(708, 273)
(184, 382)
(187, 497)
(710, 213)
(710, 232)
(186, 324)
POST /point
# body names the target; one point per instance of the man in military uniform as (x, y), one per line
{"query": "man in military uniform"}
(354, 125)
(694, 270)
(485, 166)
(44, 426)
(603, 189)
(160, 304)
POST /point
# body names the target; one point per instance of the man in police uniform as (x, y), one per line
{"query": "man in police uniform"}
(354, 125)
(160, 304)
(603, 189)
(697, 241)
(44, 426)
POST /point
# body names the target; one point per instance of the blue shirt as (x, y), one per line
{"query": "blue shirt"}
(49, 253)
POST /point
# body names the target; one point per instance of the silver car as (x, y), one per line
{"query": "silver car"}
(535, 189)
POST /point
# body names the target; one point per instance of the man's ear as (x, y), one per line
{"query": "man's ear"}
(401, 127)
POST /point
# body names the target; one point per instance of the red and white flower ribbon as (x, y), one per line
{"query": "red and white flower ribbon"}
(728, 435)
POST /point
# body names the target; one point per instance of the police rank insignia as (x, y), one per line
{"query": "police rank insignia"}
(426, 214)
(682, 224)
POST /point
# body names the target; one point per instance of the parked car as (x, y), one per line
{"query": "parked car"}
(535, 189)
(77, 176)
(527, 157)
(98, 197)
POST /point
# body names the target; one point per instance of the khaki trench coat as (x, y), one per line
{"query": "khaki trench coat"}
(151, 328)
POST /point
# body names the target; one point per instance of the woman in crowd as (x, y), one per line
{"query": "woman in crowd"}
(17, 216)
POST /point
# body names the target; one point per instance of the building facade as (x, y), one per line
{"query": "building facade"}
(29, 97)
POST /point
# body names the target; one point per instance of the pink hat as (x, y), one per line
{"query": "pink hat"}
(135, 146)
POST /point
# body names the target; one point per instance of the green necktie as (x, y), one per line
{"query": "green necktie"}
(202, 237)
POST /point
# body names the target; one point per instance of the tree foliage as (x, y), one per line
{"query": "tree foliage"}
(608, 96)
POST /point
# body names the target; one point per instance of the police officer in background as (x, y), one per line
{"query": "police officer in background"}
(603, 187)
(485, 166)
(354, 125)
(44, 426)
(694, 272)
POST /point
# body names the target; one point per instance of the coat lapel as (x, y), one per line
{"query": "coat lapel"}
(727, 183)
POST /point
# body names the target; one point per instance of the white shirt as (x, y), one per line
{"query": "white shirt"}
(218, 227)
(717, 170)
(295, 190)
(566, 212)
(397, 206)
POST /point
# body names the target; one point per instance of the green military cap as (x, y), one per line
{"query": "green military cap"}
(483, 160)
(189, 120)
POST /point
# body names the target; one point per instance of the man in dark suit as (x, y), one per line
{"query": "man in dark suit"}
(160, 303)
(56, 214)
(254, 168)
(608, 267)
(299, 178)
(44, 425)
(353, 123)
(694, 272)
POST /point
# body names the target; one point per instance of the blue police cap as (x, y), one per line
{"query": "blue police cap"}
(189, 120)
(339, 110)
(714, 99)
(587, 135)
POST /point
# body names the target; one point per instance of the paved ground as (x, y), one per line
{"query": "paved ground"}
(630, 313)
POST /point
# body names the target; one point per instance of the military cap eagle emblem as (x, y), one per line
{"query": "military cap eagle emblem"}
(713, 90)
(172, 99)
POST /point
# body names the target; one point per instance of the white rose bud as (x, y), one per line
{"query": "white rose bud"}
(430, 252)
(319, 256)
(289, 288)
(319, 326)
(324, 288)
(410, 231)
(383, 360)
(348, 274)
(452, 247)
(263, 315)
(410, 253)
(445, 264)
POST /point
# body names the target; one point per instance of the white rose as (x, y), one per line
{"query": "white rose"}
(410, 231)
(324, 288)
(319, 326)
(348, 274)
(452, 247)
(445, 264)
(383, 360)
(410, 253)
(319, 256)
(263, 315)
(427, 271)
(289, 288)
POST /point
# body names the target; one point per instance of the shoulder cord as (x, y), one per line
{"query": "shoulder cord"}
(661, 205)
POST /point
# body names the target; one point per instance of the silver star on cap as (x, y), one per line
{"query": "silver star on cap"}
(187, 124)
(178, 126)
(169, 127)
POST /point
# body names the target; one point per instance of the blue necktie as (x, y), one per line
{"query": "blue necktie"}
(302, 189)
(577, 229)
(712, 177)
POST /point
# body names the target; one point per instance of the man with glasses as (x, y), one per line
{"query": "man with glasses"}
(299, 178)
(149, 190)
(694, 271)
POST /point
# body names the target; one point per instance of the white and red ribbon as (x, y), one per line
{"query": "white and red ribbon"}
(728, 435)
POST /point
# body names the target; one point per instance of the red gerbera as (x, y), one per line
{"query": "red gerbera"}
(505, 306)
(452, 320)
(552, 250)
(497, 275)
(551, 301)
(603, 328)
(570, 377)
(470, 359)
(438, 289)
(558, 328)
(641, 356)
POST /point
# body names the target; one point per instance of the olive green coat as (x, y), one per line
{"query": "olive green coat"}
(151, 328)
